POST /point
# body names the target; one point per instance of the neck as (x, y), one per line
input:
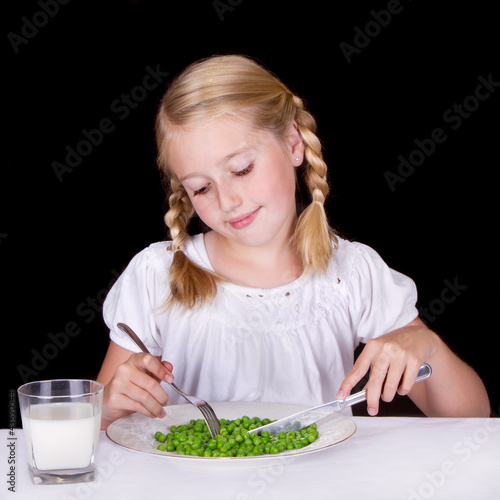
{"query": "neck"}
(266, 266)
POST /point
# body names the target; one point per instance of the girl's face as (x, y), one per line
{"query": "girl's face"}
(241, 181)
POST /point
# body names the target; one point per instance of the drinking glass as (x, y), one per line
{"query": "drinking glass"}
(61, 423)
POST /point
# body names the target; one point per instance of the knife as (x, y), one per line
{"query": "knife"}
(307, 417)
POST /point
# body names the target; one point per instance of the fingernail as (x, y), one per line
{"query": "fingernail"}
(340, 395)
(169, 378)
(163, 413)
(372, 411)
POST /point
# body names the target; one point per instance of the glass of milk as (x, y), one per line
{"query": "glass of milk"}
(61, 423)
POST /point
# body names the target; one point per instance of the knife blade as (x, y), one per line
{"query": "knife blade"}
(310, 416)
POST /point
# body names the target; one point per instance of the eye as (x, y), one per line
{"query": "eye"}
(202, 190)
(245, 171)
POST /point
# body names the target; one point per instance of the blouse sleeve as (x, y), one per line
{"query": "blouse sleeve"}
(136, 299)
(381, 299)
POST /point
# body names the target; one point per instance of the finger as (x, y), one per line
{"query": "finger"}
(358, 371)
(150, 395)
(169, 377)
(125, 404)
(393, 380)
(409, 376)
(140, 386)
(375, 384)
(150, 364)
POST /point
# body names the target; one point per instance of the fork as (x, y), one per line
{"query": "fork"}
(205, 409)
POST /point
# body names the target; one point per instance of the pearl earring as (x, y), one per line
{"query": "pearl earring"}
(297, 159)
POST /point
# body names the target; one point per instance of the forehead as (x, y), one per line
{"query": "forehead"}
(210, 143)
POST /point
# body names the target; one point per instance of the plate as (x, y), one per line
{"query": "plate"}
(136, 432)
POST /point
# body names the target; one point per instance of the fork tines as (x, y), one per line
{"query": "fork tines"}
(210, 418)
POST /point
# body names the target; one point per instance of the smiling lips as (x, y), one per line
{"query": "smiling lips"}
(242, 221)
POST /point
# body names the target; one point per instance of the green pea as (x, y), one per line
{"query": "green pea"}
(194, 439)
(256, 440)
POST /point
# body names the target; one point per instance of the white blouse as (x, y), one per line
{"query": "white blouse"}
(289, 344)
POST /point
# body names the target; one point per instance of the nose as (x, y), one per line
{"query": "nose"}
(228, 197)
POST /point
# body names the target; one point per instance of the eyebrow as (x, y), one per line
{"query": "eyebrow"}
(223, 161)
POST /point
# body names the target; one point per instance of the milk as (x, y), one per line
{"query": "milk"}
(61, 435)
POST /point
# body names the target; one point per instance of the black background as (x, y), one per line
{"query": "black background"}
(64, 240)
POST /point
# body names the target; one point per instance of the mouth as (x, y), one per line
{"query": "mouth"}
(242, 221)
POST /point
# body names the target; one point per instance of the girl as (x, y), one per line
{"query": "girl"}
(268, 304)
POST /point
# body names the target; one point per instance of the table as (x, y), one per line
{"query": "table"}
(387, 458)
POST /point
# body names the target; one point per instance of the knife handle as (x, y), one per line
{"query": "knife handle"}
(424, 372)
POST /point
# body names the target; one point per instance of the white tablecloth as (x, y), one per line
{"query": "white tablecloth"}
(387, 458)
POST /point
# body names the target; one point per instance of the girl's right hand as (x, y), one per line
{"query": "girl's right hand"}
(135, 387)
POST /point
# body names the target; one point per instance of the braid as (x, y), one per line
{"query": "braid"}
(188, 281)
(177, 217)
(313, 236)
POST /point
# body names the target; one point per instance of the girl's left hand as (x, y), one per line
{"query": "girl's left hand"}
(394, 359)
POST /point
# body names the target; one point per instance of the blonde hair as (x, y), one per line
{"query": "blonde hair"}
(226, 84)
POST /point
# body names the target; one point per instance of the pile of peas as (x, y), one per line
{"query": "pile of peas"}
(233, 441)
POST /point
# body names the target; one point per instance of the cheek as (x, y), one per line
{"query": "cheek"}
(206, 209)
(201, 206)
(279, 188)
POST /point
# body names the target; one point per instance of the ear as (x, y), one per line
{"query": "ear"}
(295, 144)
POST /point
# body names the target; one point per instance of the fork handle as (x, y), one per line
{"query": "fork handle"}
(178, 391)
(140, 344)
(133, 336)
